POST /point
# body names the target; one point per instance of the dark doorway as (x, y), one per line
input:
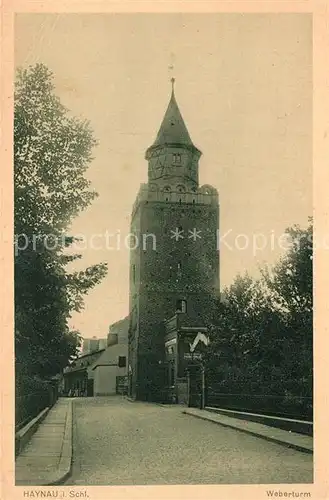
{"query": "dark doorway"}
(195, 386)
(90, 388)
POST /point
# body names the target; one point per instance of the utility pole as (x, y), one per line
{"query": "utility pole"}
(203, 386)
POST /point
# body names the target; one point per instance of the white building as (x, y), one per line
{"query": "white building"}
(110, 370)
(92, 345)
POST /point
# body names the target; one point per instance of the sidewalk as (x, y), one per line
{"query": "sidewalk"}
(290, 439)
(46, 459)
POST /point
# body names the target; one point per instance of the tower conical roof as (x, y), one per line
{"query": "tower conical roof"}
(173, 129)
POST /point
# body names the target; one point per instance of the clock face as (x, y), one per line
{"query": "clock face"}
(168, 170)
(159, 168)
(155, 153)
(162, 165)
(154, 169)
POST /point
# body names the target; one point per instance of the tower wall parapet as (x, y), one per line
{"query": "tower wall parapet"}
(204, 195)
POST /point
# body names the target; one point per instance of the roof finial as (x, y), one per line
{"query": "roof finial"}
(172, 84)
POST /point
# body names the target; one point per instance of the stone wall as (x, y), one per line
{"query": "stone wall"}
(186, 269)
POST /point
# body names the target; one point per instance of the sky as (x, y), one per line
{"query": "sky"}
(244, 88)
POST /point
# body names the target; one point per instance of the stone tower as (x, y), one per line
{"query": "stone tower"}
(174, 260)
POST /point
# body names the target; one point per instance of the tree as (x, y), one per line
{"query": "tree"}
(290, 284)
(52, 151)
(290, 287)
(242, 325)
(261, 332)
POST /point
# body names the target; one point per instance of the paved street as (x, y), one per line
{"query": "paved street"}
(117, 442)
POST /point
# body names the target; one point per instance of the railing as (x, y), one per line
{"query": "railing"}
(289, 406)
(29, 405)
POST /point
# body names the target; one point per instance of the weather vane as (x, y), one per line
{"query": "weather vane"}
(171, 69)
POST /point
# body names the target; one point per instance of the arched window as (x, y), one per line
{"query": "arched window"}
(167, 189)
(207, 189)
(180, 188)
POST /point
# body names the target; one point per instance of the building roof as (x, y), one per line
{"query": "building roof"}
(83, 362)
(119, 323)
(90, 354)
(173, 129)
(120, 328)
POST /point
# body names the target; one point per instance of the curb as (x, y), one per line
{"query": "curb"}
(287, 424)
(23, 436)
(253, 433)
(65, 463)
(164, 405)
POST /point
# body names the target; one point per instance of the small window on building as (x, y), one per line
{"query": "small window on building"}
(122, 362)
(181, 306)
(177, 158)
(134, 273)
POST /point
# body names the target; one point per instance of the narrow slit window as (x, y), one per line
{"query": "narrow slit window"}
(177, 158)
